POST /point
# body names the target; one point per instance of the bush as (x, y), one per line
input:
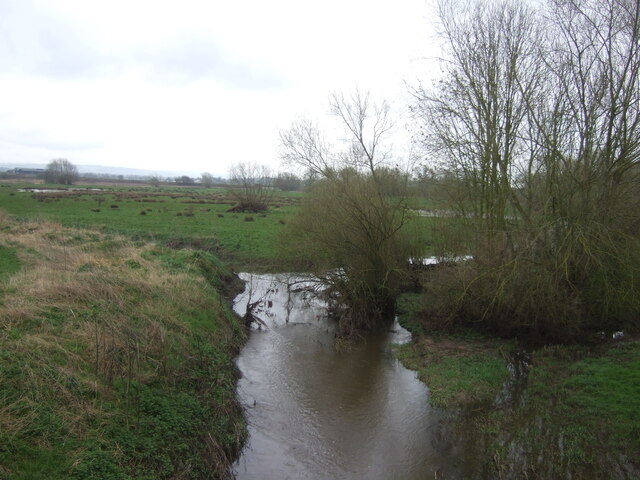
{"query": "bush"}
(359, 243)
(251, 186)
(561, 294)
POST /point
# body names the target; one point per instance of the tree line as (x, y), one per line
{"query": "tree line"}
(531, 136)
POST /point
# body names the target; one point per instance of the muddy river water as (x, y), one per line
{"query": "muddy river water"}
(318, 412)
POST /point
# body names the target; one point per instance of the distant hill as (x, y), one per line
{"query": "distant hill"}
(104, 170)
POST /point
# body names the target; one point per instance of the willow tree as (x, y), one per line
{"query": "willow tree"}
(590, 160)
(536, 118)
(352, 233)
(61, 171)
(473, 119)
(251, 185)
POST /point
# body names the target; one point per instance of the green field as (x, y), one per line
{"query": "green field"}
(165, 214)
(126, 277)
(176, 215)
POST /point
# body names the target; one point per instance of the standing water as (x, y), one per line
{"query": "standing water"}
(315, 412)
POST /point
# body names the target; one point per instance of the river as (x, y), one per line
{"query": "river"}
(315, 411)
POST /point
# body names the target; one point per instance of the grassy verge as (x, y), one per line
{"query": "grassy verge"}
(578, 417)
(116, 358)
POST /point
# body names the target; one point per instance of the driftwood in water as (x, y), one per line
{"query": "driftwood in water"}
(250, 317)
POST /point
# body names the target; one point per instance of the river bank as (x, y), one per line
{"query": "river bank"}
(561, 411)
(117, 354)
(116, 357)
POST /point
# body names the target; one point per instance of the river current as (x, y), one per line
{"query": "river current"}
(315, 411)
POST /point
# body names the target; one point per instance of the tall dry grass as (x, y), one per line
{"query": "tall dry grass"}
(86, 318)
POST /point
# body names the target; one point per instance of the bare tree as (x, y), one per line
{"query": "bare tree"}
(288, 182)
(207, 180)
(155, 181)
(185, 180)
(369, 124)
(304, 146)
(352, 228)
(252, 187)
(594, 57)
(537, 118)
(474, 119)
(61, 171)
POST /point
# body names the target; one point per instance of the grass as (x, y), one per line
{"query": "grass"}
(580, 419)
(116, 347)
(161, 214)
(197, 217)
(590, 382)
(463, 379)
(461, 369)
(9, 262)
(580, 414)
(116, 358)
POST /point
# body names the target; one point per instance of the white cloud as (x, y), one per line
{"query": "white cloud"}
(194, 85)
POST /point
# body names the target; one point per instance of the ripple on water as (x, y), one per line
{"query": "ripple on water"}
(317, 413)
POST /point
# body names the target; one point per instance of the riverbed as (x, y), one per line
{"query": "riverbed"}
(316, 411)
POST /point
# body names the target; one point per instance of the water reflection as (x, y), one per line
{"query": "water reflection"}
(318, 413)
(58, 190)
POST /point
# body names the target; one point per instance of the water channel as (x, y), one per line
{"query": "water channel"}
(317, 412)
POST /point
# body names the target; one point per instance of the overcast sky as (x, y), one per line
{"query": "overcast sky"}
(192, 85)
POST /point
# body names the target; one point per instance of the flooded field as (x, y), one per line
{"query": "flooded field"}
(58, 190)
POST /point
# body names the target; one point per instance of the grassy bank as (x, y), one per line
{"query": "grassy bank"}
(577, 415)
(462, 369)
(116, 357)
